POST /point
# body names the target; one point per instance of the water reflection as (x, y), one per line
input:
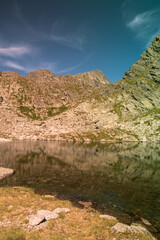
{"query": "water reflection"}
(125, 176)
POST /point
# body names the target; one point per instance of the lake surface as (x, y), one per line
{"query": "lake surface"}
(122, 176)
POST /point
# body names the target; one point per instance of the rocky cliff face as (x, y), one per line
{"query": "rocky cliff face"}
(84, 107)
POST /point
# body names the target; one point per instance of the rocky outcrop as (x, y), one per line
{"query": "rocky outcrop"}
(84, 107)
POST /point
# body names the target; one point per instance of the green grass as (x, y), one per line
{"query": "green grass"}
(117, 109)
(77, 224)
(55, 111)
(29, 112)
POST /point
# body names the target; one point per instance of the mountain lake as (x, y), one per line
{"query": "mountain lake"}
(119, 177)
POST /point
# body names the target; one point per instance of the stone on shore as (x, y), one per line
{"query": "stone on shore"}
(85, 204)
(5, 172)
(61, 210)
(35, 220)
(108, 217)
(121, 228)
(48, 215)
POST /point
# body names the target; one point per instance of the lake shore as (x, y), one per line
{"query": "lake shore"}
(82, 221)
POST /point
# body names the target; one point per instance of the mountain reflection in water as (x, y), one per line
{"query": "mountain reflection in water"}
(123, 175)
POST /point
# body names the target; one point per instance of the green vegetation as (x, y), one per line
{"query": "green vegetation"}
(117, 109)
(153, 111)
(29, 112)
(55, 111)
(158, 129)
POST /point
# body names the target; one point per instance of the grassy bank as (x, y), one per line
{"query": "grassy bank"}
(80, 223)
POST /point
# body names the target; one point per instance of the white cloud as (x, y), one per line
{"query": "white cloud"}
(15, 51)
(69, 41)
(69, 69)
(28, 68)
(14, 65)
(125, 3)
(74, 38)
(146, 25)
(141, 19)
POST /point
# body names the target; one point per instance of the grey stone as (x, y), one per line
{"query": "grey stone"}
(108, 217)
(48, 215)
(34, 220)
(61, 210)
(121, 228)
(5, 172)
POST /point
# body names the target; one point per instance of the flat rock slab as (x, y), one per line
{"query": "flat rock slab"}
(48, 215)
(61, 210)
(108, 217)
(34, 220)
(5, 172)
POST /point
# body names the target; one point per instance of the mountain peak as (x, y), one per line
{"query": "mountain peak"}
(41, 75)
(148, 67)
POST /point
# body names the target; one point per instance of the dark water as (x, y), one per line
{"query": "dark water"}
(125, 177)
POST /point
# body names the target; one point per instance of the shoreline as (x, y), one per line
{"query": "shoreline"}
(81, 221)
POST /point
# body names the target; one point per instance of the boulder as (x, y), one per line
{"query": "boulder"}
(35, 220)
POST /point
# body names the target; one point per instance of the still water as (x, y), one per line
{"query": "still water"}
(123, 176)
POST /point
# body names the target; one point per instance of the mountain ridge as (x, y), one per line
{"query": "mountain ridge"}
(84, 106)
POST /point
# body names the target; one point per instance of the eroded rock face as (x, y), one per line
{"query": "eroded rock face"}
(84, 107)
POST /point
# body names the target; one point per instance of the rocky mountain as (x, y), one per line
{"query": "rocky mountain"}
(84, 107)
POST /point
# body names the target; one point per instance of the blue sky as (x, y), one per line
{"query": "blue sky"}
(73, 36)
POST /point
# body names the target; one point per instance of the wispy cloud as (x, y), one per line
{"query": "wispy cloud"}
(14, 65)
(125, 3)
(142, 19)
(145, 25)
(69, 69)
(15, 51)
(69, 41)
(73, 38)
(28, 67)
